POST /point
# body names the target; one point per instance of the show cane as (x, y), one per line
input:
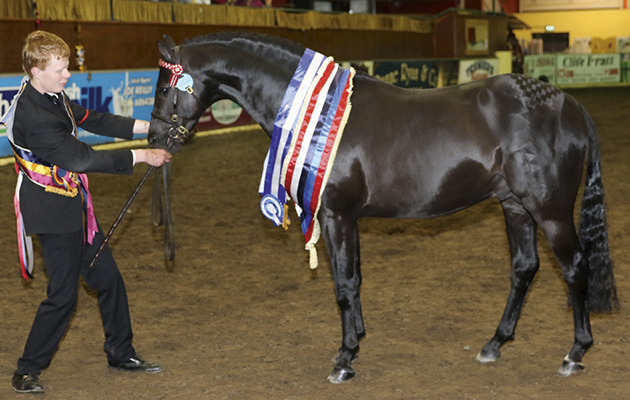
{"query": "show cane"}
(122, 213)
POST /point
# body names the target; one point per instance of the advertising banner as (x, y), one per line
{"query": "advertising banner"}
(623, 45)
(587, 68)
(409, 74)
(223, 114)
(477, 69)
(9, 87)
(625, 67)
(127, 93)
(541, 67)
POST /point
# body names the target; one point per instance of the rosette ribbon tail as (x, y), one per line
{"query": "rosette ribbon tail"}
(91, 225)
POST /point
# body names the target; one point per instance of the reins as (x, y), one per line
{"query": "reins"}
(161, 214)
(156, 210)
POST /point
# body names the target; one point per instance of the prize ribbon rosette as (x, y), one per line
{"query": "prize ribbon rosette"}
(304, 141)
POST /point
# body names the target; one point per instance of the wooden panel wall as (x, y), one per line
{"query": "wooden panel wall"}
(118, 45)
(113, 45)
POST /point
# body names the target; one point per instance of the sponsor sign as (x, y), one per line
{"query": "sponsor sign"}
(359, 66)
(222, 114)
(541, 67)
(127, 93)
(587, 68)
(625, 67)
(7, 93)
(623, 45)
(410, 74)
(477, 69)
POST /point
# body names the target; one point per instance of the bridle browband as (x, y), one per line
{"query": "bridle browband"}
(177, 131)
(176, 71)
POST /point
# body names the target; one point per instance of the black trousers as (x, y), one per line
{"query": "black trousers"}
(67, 257)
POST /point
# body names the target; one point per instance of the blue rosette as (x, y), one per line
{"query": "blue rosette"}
(272, 209)
(184, 82)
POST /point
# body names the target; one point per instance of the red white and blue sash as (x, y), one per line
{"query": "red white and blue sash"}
(51, 178)
(306, 134)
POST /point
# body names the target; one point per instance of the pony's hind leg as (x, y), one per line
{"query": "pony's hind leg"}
(563, 239)
(521, 232)
(342, 239)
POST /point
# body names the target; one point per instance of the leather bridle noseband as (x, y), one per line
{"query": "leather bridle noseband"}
(177, 130)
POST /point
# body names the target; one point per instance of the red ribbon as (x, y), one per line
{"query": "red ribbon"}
(176, 71)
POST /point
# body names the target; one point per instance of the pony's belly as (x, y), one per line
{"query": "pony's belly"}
(430, 200)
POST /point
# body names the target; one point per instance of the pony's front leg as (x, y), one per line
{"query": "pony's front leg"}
(342, 239)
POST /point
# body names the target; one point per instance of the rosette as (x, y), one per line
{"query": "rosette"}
(272, 209)
(185, 81)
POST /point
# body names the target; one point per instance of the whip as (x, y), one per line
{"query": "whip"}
(122, 213)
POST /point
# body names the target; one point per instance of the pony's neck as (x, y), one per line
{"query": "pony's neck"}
(255, 82)
(259, 96)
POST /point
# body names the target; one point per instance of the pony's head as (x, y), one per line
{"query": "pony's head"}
(178, 99)
(251, 70)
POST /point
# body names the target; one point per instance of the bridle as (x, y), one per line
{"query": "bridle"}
(177, 130)
(161, 215)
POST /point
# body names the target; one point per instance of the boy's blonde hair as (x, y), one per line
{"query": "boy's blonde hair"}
(40, 47)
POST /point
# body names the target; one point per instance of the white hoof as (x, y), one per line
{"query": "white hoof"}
(341, 375)
(570, 367)
(486, 358)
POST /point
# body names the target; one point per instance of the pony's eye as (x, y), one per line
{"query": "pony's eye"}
(163, 90)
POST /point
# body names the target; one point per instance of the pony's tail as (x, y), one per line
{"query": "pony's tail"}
(593, 232)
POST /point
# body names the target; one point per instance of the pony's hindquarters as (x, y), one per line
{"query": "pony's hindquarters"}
(544, 173)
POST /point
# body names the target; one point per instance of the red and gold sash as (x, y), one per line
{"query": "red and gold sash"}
(52, 178)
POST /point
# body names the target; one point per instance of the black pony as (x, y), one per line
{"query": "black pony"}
(423, 153)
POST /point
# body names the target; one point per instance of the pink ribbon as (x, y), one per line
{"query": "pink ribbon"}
(92, 227)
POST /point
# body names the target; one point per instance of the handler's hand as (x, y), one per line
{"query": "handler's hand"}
(155, 157)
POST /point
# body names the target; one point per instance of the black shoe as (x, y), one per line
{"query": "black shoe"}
(136, 364)
(28, 383)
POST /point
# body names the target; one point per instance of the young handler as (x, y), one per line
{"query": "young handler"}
(53, 203)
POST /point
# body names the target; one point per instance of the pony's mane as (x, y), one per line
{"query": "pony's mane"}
(252, 42)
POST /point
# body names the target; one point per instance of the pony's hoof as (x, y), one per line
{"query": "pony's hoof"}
(570, 367)
(341, 374)
(485, 357)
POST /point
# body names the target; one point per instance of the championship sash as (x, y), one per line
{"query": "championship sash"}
(51, 178)
(304, 141)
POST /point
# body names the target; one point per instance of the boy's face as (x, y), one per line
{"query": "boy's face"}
(53, 78)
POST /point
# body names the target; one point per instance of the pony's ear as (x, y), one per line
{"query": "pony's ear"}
(169, 41)
(165, 51)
